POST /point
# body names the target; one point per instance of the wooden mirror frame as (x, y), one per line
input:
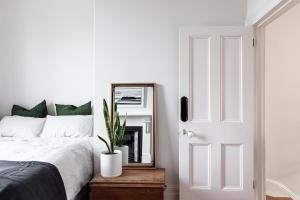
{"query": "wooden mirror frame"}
(153, 138)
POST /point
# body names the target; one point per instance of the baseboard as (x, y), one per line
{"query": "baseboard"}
(171, 192)
(281, 189)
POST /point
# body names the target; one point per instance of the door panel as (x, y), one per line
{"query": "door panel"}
(200, 162)
(200, 78)
(231, 78)
(216, 143)
(232, 166)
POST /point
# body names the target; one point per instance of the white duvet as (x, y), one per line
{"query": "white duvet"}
(71, 156)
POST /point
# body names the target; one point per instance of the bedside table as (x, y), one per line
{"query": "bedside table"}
(145, 184)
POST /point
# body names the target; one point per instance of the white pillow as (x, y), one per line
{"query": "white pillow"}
(17, 126)
(68, 126)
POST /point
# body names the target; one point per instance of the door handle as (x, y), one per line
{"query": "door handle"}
(191, 134)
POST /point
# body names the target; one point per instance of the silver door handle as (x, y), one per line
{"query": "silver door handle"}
(190, 134)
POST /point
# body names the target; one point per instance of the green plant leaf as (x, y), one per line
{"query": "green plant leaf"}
(119, 130)
(123, 128)
(117, 122)
(105, 143)
(108, 124)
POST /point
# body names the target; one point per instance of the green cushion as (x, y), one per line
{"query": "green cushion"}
(85, 109)
(38, 111)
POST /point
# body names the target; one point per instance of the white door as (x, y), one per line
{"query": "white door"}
(216, 142)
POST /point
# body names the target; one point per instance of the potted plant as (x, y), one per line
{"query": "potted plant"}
(120, 130)
(110, 160)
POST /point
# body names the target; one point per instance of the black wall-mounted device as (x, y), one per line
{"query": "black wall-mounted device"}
(184, 109)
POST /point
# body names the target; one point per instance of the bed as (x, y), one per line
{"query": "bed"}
(71, 156)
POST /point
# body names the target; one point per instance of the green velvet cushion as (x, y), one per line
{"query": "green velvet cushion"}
(38, 111)
(85, 109)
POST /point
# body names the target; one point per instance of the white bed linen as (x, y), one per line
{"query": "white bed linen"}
(71, 156)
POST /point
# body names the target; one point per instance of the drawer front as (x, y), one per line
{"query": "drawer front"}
(108, 193)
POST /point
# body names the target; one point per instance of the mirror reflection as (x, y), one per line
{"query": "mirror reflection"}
(135, 103)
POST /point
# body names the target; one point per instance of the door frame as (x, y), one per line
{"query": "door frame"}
(259, 141)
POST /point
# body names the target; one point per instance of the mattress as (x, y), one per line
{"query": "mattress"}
(71, 156)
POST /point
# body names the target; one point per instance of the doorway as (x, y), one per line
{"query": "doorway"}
(278, 111)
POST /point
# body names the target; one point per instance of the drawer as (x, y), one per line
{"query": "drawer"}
(126, 193)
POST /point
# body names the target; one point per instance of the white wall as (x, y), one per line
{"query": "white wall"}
(257, 9)
(283, 97)
(46, 52)
(137, 41)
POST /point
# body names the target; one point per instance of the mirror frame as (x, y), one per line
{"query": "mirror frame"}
(153, 138)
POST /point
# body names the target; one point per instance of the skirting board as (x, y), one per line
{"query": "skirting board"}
(171, 192)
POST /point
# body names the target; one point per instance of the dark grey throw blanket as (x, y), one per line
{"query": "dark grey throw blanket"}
(30, 181)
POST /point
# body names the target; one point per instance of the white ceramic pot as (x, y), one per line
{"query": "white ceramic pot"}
(111, 164)
(124, 150)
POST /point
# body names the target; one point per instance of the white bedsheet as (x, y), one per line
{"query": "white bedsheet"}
(71, 156)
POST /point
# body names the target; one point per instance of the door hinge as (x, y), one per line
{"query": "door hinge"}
(253, 42)
(253, 184)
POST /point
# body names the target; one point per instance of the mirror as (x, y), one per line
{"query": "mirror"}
(136, 103)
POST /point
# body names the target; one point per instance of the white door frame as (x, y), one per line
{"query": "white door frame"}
(259, 148)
